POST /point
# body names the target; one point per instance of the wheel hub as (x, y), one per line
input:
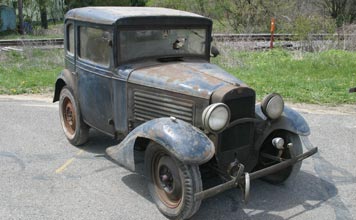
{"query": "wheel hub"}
(69, 116)
(167, 180)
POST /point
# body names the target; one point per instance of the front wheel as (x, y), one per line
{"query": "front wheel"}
(72, 123)
(289, 173)
(171, 183)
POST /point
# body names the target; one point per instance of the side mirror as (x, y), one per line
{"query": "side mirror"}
(214, 51)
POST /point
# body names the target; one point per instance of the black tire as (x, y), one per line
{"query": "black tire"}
(72, 123)
(171, 183)
(288, 174)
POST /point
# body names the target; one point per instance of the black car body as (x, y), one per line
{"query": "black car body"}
(144, 75)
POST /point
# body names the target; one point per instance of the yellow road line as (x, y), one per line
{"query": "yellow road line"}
(68, 162)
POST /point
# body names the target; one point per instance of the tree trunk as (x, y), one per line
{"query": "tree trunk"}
(43, 13)
(20, 6)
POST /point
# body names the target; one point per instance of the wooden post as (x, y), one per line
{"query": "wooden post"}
(272, 32)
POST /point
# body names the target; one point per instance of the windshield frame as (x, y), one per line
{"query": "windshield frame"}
(205, 56)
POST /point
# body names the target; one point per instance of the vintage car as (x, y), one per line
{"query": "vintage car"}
(143, 75)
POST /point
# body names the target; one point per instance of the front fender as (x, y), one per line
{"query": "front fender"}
(290, 120)
(182, 140)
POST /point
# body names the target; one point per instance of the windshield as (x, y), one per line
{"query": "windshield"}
(135, 44)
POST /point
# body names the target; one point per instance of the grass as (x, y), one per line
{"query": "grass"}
(320, 78)
(30, 71)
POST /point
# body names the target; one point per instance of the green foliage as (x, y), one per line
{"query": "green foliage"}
(83, 3)
(313, 24)
(31, 71)
(343, 11)
(253, 16)
(197, 6)
(300, 77)
(78, 3)
(175, 4)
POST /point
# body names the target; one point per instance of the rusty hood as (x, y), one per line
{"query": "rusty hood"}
(191, 78)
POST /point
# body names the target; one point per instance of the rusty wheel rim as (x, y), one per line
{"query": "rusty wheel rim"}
(167, 181)
(69, 116)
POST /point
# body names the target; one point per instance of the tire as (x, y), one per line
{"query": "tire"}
(172, 184)
(288, 174)
(75, 130)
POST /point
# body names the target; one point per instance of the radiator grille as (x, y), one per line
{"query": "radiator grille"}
(148, 106)
(242, 106)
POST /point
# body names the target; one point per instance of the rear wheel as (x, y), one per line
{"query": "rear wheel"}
(72, 123)
(288, 173)
(171, 183)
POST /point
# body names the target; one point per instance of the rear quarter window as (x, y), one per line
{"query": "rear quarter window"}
(70, 38)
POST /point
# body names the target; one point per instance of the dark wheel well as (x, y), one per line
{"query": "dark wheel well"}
(288, 174)
(141, 143)
(57, 91)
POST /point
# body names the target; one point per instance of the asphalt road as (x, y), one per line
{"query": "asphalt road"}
(43, 177)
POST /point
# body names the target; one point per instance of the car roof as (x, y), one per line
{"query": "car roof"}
(111, 15)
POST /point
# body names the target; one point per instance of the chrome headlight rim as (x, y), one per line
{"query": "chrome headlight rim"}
(208, 112)
(272, 106)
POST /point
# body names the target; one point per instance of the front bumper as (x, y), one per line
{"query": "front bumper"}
(243, 180)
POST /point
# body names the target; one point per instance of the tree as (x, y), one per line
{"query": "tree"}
(20, 7)
(340, 10)
(254, 15)
(43, 13)
(82, 3)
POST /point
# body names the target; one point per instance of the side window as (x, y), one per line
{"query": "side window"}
(70, 38)
(95, 45)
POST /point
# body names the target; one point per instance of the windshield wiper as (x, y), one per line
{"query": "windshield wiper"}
(196, 33)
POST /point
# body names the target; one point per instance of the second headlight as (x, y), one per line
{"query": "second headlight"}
(216, 117)
(272, 106)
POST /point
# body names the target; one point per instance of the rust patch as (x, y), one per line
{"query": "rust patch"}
(206, 77)
(170, 73)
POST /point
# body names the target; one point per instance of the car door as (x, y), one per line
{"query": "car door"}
(94, 76)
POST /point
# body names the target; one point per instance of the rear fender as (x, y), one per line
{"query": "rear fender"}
(182, 140)
(63, 79)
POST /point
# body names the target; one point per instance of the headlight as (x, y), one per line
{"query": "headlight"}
(272, 106)
(216, 117)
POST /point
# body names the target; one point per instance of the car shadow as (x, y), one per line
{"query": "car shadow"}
(98, 142)
(137, 183)
(265, 199)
